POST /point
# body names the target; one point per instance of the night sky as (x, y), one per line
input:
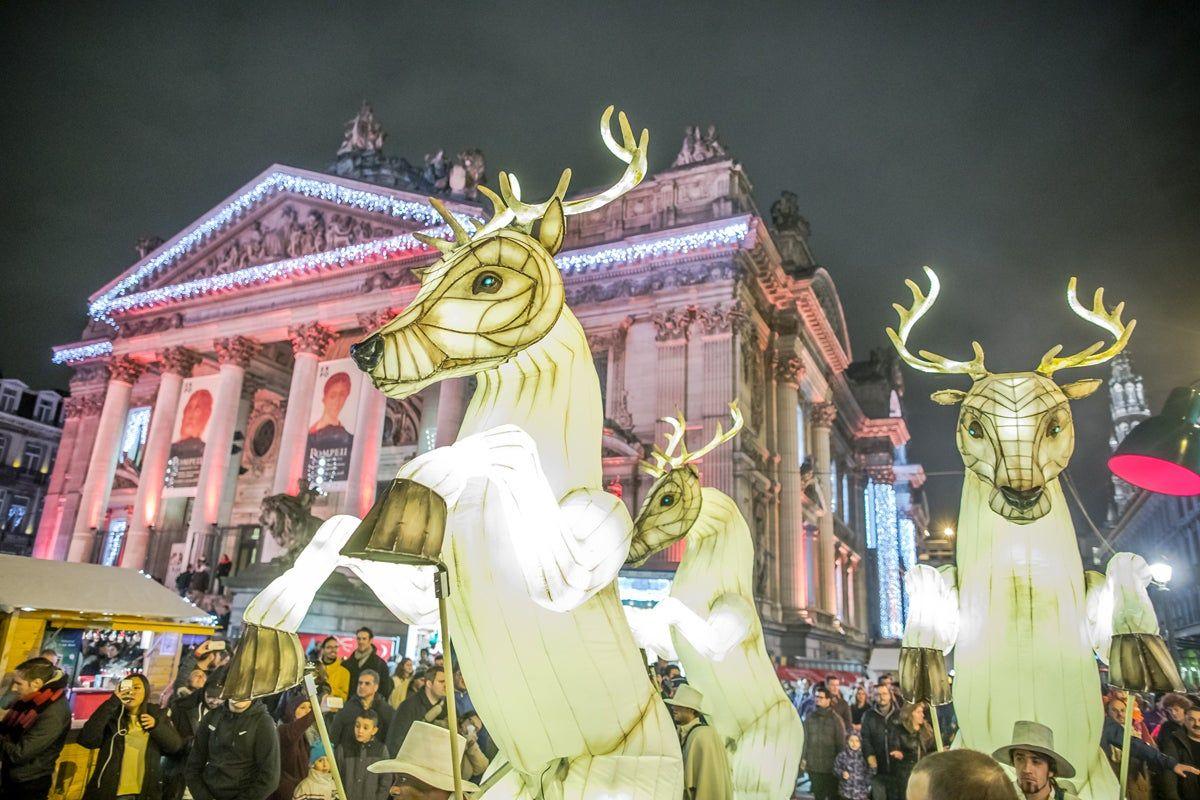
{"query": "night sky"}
(1008, 148)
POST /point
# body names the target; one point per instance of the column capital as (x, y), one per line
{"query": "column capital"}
(823, 414)
(125, 369)
(789, 368)
(311, 337)
(881, 473)
(673, 324)
(87, 405)
(178, 360)
(236, 350)
(373, 320)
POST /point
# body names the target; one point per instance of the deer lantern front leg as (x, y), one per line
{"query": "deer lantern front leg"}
(1123, 627)
(930, 633)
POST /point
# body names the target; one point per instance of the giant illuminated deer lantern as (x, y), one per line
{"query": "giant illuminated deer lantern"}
(709, 621)
(1021, 616)
(514, 510)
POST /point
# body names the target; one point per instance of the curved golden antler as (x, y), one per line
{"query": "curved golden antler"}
(508, 207)
(460, 233)
(925, 360)
(1099, 315)
(667, 459)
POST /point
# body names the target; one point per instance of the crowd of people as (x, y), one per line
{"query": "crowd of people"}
(388, 731)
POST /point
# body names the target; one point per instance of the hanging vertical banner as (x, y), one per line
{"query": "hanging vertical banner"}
(331, 424)
(189, 435)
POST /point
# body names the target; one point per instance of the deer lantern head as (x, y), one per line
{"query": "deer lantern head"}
(492, 293)
(673, 503)
(1015, 431)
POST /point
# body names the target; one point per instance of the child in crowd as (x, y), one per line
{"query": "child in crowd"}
(318, 785)
(354, 759)
(854, 777)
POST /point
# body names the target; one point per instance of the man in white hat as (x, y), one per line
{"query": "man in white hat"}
(422, 767)
(1037, 764)
(706, 771)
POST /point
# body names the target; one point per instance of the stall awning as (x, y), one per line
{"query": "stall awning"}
(90, 590)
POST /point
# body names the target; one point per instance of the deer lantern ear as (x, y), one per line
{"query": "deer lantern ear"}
(552, 228)
(1077, 390)
(948, 397)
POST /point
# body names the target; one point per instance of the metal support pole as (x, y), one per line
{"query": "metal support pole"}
(310, 686)
(442, 589)
(1126, 735)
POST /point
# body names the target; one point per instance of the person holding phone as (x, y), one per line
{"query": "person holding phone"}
(131, 734)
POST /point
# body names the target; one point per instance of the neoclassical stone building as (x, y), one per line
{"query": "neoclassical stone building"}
(213, 370)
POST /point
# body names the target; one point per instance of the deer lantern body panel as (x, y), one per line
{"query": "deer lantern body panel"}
(515, 510)
(1025, 644)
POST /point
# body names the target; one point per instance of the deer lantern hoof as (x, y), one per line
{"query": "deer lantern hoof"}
(406, 525)
(923, 675)
(266, 662)
(1140, 662)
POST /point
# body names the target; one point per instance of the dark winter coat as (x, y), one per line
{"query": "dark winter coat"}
(31, 754)
(824, 733)
(341, 730)
(915, 745)
(293, 752)
(854, 763)
(374, 662)
(1177, 745)
(840, 707)
(417, 708)
(103, 731)
(353, 760)
(234, 756)
(874, 737)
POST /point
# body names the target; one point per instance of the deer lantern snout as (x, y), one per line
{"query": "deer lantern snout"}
(1015, 431)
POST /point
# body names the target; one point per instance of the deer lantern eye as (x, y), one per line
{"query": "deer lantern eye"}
(974, 429)
(1054, 428)
(486, 283)
(667, 500)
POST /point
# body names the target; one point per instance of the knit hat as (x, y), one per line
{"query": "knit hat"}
(316, 751)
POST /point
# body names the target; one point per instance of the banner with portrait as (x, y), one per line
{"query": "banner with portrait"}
(331, 424)
(192, 424)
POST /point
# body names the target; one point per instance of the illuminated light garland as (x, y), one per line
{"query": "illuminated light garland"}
(881, 500)
(668, 245)
(273, 183)
(86, 352)
(908, 554)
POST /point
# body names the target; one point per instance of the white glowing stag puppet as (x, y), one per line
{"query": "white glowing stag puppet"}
(709, 622)
(1022, 618)
(514, 510)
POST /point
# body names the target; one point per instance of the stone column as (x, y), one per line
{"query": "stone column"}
(852, 605)
(234, 355)
(719, 386)
(363, 470)
(176, 364)
(309, 343)
(792, 555)
(61, 506)
(451, 407)
(671, 332)
(123, 373)
(823, 415)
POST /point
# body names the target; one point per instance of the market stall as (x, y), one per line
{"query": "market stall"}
(103, 623)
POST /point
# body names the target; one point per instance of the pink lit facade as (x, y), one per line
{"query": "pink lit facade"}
(690, 299)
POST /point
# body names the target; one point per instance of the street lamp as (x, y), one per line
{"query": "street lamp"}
(1160, 573)
(1162, 454)
(948, 532)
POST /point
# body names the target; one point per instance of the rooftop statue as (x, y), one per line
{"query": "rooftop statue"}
(363, 132)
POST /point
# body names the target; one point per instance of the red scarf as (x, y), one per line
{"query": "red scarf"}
(25, 712)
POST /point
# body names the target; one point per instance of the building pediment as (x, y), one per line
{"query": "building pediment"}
(282, 217)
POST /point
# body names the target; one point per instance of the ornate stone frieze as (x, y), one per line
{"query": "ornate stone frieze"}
(673, 324)
(94, 372)
(600, 291)
(179, 360)
(311, 337)
(389, 280)
(236, 350)
(880, 473)
(86, 405)
(141, 327)
(125, 369)
(824, 414)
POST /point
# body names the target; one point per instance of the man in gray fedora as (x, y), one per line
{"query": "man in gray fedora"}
(1037, 764)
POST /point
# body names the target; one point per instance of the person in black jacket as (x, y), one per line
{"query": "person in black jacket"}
(235, 755)
(185, 709)
(366, 698)
(33, 730)
(1183, 744)
(132, 735)
(910, 738)
(366, 657)
(354, 758)
(427, 704)
(875, 724)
